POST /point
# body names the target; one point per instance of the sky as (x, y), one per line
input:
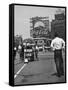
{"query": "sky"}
(22, 15)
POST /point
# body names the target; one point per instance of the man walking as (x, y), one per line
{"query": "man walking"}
(57, 45)
(36, 51)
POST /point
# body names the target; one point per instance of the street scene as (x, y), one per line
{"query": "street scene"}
(39, 45)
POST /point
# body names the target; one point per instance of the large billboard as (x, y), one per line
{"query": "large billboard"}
(40, 27)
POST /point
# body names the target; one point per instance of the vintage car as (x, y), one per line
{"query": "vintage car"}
(29, 52)
(28, 49)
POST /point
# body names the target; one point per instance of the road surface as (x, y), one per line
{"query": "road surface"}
(37, 72)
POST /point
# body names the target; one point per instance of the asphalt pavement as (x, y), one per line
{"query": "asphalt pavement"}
(39, 71)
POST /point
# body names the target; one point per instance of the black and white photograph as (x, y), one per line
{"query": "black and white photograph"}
(39, 50)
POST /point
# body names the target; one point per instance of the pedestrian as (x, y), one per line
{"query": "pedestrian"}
(33, 53)
(58, 44)
(36, 51)
(22, 52)
(15, 50)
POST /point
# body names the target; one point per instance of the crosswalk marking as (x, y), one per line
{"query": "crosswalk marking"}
(19, 70)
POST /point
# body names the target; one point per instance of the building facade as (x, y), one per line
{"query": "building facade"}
(58, 25)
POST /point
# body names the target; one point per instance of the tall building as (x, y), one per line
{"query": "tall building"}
(58, 25)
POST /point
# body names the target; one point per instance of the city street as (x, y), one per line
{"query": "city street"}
(38, 71)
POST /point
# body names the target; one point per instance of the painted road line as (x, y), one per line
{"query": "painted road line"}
(19, 70)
